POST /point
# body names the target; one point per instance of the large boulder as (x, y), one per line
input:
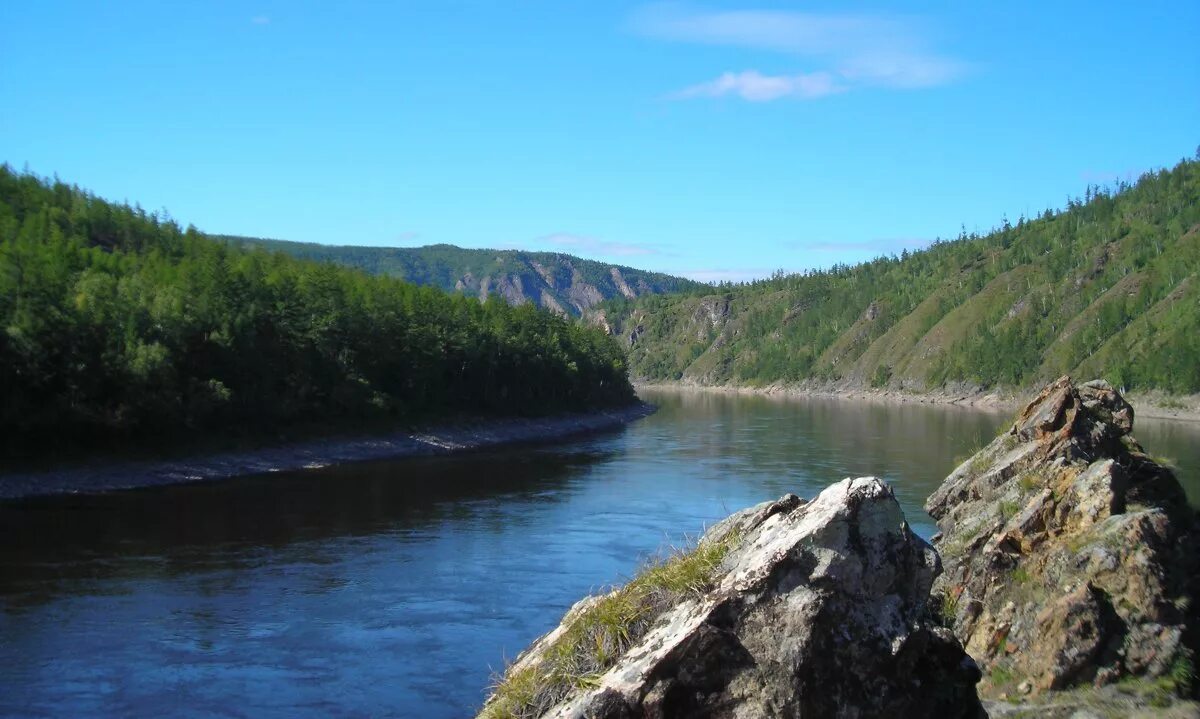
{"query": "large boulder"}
(806, 609)
(1070, 555)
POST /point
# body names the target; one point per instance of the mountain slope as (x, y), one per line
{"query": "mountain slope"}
(561, 283)
(1107, 287)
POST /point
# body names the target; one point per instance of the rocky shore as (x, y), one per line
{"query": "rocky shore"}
(1063, 584)
(1148, 405)
(460, 437)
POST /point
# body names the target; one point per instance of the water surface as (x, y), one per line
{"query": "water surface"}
(392, 589)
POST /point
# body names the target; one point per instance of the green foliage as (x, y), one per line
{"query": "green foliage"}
(1108, 287)
(115, 322)
(883, 373)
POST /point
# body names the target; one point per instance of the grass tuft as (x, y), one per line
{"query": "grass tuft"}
(602, 632)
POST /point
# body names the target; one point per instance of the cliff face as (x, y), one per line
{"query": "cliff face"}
(1070, 555)
(561, 283)
(798, 609)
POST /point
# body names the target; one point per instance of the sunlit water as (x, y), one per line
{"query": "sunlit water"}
(395, 589)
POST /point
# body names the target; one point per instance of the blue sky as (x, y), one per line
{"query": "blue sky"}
(716, 140)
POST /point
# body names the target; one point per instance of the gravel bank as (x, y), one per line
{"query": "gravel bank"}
(463, 437)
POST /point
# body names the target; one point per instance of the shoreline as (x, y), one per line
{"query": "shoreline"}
(313, 454)
(1144, 405)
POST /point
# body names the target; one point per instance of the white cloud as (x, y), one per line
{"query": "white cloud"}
(755, 87)
(854, 50)
(592, 245)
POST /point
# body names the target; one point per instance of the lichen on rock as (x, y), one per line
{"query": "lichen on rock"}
(1070, 555)
(815, 609)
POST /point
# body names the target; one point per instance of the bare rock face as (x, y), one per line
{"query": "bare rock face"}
(818, 609)
(1070, 555)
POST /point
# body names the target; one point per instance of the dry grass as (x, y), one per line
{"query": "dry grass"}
(602, 632)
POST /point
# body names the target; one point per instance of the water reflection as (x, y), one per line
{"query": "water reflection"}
(55, 541)
(391, 588)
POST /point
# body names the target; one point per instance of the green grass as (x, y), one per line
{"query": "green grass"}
(949, 608)
(602, 632)
(1001, 675)
(979, 463)
(1182, 675)
(1171, 403)
(1008, 509)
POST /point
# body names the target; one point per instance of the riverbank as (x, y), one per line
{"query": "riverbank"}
(1145, 405)
(313, 454)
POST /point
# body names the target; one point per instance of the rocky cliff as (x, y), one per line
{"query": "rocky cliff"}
(561, 283)
(789, 608)
(1070, 555)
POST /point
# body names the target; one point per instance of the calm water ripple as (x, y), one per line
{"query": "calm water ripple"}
(389, 589)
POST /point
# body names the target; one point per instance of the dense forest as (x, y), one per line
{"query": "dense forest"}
(558, 282)
(1106, 287)
(120, 324)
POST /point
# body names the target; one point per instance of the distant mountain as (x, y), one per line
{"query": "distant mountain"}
(562, 283)
(1108, 287)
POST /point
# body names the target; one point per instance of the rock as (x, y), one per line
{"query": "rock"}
(1070, 555)
(817, 609)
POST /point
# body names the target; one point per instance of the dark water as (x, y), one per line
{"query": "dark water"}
(390, 589)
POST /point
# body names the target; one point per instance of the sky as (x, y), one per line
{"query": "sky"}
(720, 141)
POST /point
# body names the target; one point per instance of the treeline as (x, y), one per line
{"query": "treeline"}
(119, 323)
(1106, 287)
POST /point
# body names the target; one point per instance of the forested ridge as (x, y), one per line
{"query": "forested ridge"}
(120, 323)
(562, 283)
(1106, 287)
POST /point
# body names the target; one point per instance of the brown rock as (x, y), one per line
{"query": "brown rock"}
(1071, 554)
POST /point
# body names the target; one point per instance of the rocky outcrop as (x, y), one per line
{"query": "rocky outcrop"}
(1070, 555)
(804, 609)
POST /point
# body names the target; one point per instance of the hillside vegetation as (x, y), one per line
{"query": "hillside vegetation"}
(1107, 287)
(558, 282)
(118, 323)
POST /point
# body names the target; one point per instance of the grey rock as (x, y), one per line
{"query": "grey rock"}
(818, 609)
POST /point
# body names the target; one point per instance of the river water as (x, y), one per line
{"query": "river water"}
(397, 588)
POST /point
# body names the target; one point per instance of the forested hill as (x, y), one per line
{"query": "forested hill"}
(1107, 287)
(117, 323)
(561, 283)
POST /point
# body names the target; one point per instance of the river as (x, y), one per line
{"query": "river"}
(395, 588)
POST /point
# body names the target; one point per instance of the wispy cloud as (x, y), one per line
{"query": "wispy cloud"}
(592, 245)
(752, 86)
(850, 50)
(260, 20)
(407, 236)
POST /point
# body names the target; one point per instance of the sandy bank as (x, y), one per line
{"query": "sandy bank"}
(314, 454)
(1146, 406)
